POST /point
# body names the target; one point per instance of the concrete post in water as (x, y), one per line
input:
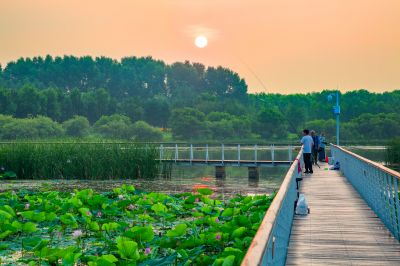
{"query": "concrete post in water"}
(238, 150)
(176, 152)
(272, 153)
(223, 153)
(290, 153)
(220, 171)
(191, 153)
(255, 153)
(254, 172)
(206, 153)
(161, 152)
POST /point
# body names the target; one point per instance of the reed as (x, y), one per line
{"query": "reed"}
(77, 160)
(393, 154)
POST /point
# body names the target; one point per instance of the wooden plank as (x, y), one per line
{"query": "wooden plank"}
(341, 229)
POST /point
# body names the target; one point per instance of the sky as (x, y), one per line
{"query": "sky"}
(285, 46)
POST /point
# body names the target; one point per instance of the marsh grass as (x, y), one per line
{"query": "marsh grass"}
(393, 154)
(75, 160)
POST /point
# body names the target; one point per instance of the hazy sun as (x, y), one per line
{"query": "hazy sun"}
(201, 41)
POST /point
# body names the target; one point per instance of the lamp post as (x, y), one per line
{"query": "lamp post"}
(336, 112)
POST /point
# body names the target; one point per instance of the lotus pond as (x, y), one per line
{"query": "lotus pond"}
(126, 226)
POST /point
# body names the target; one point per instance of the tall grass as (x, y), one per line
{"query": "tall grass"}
(393, 153)
(80, 160)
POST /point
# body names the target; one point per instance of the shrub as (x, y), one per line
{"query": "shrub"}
(77, 126)
(144, 132)
(32, 128)
(114, 126)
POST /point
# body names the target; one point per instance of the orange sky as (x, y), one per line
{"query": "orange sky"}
(287, 46)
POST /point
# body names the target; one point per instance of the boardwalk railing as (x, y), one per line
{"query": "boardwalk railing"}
(270, 244)
(377, 185)
(225, 153)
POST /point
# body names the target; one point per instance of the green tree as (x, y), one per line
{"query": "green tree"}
(271, 123)
(131, 107)
(52, 105)
(28, 102)
(188, 123)
(157, 111)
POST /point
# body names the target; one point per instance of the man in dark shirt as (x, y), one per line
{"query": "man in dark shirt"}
(315, 147)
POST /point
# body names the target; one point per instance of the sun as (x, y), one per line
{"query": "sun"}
(201, 41)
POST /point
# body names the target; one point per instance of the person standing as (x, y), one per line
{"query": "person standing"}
(322, 145)
(308, 144)
(315, 149)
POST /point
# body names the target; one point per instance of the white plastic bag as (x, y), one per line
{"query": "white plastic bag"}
(302, 205)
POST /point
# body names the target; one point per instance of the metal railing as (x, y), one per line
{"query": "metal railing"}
(377, 185)
(270, 244)
(225, 152)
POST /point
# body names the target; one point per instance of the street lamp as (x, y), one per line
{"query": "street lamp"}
(336, 112)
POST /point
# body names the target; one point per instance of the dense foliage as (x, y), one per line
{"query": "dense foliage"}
(126, 227)
(393, 153)
(194, 101)
(80, 160)
(110, 127)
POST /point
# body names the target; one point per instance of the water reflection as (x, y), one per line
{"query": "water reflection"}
(253, 182)
(183, 179)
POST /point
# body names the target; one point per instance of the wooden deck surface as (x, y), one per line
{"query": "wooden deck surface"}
(341, 229)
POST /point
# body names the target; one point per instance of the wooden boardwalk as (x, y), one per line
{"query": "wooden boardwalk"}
(341, 229)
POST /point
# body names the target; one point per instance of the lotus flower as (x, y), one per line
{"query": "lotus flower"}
(77, 233)
(217, 220)
(27, 206)
(147, 251)
(218, 237)
(99, 214)
(121, 197)
(131, 207)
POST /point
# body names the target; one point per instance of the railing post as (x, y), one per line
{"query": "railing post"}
(223, 153)
(238, 150)
(392, 211)
(176, 152)
(396, 195)
(273, 153)
(206, 153)
(387, 201)
(290, 153)
(191, 153)
(161, 152)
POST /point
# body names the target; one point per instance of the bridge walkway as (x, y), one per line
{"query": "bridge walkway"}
(341, 228)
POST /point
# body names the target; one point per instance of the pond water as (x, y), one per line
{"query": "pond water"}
(374, 153)
(186, 178)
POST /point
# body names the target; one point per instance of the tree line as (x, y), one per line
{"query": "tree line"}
(188, 100)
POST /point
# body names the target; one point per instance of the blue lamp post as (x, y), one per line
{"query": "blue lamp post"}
(336, 112)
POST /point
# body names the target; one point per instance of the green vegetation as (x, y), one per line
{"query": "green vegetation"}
(393, 153)
(80, 160)
(107, 127)
(194, 102)
(127, 227)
